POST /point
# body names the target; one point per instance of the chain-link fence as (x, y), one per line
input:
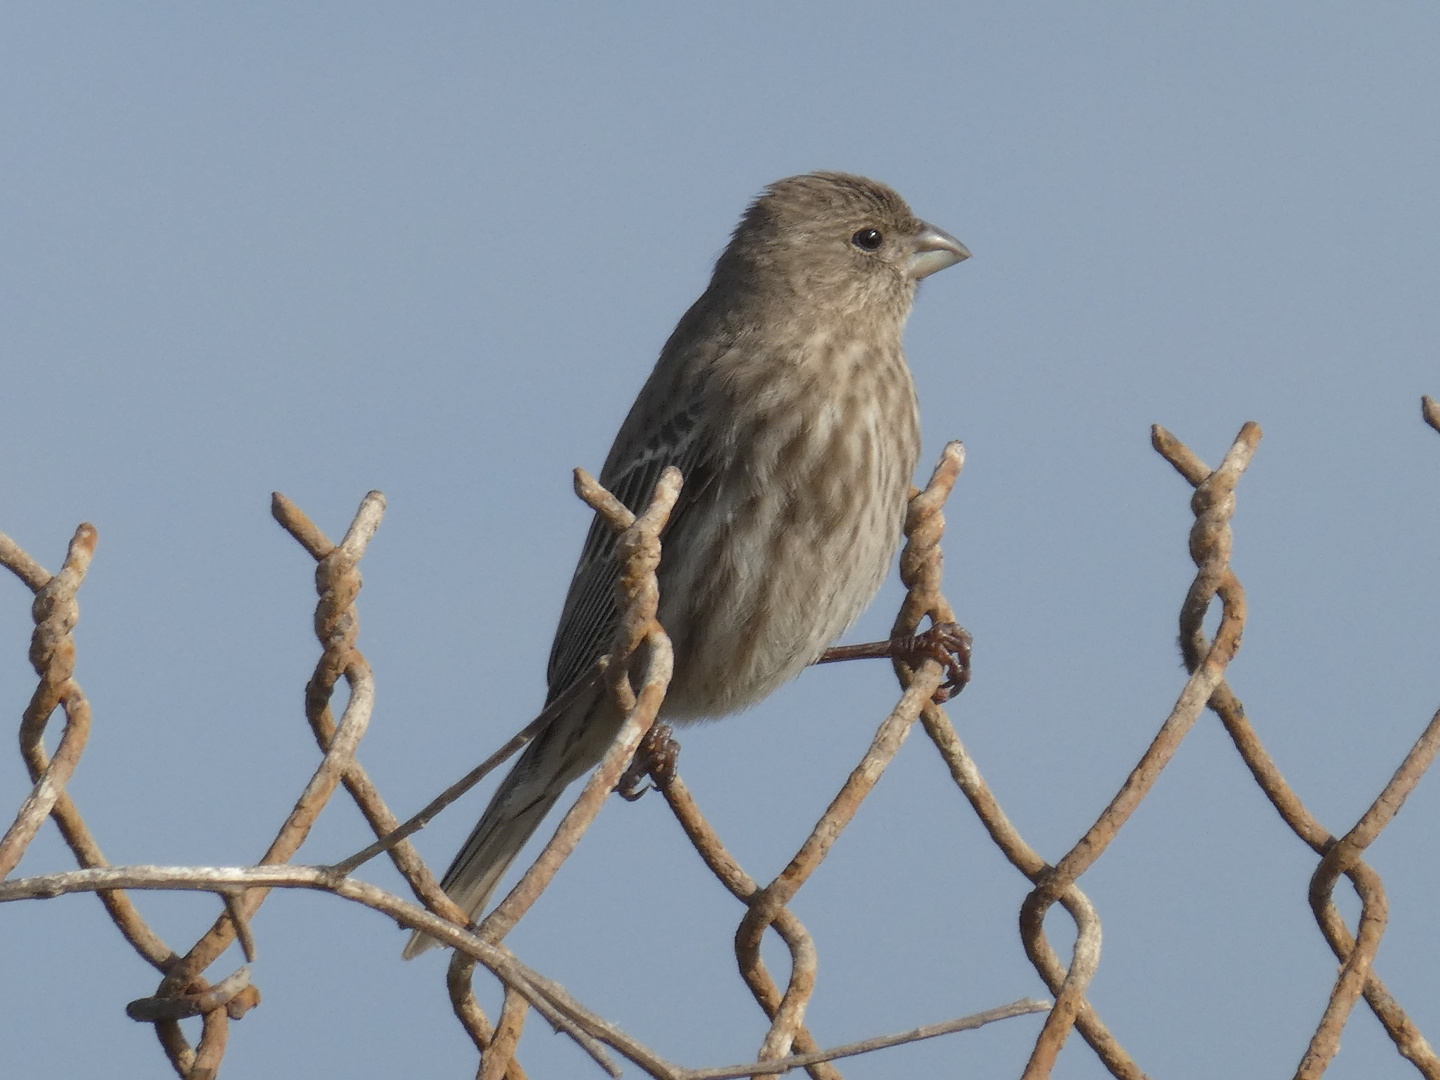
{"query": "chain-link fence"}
(636, 673)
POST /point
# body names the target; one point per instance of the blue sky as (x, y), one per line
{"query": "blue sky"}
(435, 250)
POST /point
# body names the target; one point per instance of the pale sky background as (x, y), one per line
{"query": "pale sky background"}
(434, 249)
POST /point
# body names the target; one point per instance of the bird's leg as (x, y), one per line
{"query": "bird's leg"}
(949, 643)
(655, 757)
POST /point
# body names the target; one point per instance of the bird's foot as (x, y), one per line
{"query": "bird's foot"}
(655, 758)
(948, 643)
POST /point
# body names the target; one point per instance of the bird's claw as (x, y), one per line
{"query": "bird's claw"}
(655, 758)
(947, 643)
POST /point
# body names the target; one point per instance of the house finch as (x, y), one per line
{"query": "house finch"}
(784, 398)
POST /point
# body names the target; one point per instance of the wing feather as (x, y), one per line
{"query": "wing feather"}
(590, 615)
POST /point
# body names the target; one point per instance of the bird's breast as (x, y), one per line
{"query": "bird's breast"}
(800, 527)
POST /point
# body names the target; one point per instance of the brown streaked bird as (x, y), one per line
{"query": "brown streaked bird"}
(784, 398)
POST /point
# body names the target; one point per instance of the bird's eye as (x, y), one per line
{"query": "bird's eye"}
(867, 239)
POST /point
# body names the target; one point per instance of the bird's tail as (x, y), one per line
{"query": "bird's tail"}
(570, 746)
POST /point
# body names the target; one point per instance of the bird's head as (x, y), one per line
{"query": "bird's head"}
(838, 239)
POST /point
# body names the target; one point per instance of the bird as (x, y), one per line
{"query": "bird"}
(784, 397)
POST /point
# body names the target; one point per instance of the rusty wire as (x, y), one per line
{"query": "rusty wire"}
(1338, 856)
(636, 673)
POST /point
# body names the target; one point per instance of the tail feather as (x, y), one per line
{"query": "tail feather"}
(486, 856)
(570, 746)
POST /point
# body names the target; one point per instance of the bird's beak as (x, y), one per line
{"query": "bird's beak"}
(933, 249)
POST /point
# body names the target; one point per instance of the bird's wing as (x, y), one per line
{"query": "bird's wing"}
(588, 621)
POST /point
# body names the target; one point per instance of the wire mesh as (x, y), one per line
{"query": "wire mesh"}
(636, 673)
